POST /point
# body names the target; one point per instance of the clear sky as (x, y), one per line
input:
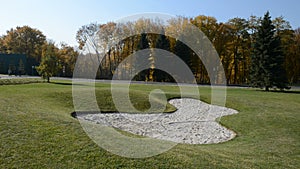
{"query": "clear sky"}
(60, 19)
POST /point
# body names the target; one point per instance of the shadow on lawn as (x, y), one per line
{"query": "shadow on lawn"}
(282, 91)
(286, 91)
(61, 83)
(75, 114)
(67, 84)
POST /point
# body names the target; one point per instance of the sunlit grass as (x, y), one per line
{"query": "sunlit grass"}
(37, 130)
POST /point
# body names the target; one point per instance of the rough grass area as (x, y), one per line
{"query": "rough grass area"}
(37, 131)
(20, 81)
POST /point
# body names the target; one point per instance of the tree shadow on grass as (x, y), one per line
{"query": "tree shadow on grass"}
(286, 91)
(61, 83)
(75, 114)
(67, 84)
(281, 91)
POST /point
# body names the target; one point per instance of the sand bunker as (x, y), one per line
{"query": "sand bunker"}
(193, 123)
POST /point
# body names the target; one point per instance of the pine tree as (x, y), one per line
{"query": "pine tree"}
(267, 59)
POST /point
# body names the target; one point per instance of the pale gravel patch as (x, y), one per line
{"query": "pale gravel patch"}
(194, 122)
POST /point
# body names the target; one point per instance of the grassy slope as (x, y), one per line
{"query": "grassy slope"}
(36, 130)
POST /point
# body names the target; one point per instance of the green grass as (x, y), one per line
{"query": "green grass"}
(20, 81)
(37, 131)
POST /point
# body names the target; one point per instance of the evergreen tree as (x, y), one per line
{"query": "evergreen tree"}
(267, 59)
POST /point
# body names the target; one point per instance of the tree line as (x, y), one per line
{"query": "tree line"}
(46, 57)
(236, 42)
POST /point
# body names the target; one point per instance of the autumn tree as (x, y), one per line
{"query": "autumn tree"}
(24, 40)
(234, 41)
(267, 58)
(2, 46)
(50, 64)
(219, 35)
(207, 24)
(86, 37)
(67, 56)
(290, 47)
(239, 46)
(292, 57)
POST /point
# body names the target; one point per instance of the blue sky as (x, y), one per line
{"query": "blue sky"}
(60, 19)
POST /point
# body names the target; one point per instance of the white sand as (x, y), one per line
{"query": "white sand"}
(193, 123)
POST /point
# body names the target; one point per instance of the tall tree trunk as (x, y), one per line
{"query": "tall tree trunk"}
(267, 88)
(235, 64)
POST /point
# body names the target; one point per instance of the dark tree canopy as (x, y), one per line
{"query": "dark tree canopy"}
(267, 58)
(162, 42)
(140, 60)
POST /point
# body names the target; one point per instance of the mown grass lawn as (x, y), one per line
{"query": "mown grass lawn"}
(37, 130)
